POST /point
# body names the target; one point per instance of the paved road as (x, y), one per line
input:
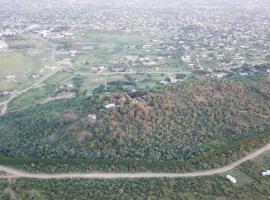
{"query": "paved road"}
(14, 173)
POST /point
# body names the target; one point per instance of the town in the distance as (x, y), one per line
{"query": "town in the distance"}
(129, 46)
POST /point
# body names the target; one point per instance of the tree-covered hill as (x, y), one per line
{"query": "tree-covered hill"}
(181, 122)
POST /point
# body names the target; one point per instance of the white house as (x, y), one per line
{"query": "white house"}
(231, 178)
(164, 82)
(219, 75)
(92, 117)
(112, 105)
(10, 77)
(267, 173)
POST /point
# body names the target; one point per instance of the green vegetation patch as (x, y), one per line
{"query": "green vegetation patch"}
(2, 173)
(212, 187)
(204, 123)
(3, 185)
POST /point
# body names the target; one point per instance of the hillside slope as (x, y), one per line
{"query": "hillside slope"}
(180, 122)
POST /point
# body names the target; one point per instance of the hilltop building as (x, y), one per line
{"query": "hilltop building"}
(112, 105)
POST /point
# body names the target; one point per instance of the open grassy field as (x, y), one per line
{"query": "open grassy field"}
(26, 55)
(140, 81)
(13, 63)
(106, 47)
(243, 178)
(264, 160)
(21, 66)
(32, 97)
(26, 42)
(40, 94)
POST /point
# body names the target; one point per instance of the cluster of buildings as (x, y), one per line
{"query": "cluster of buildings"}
(199, 37)
(105, 69)
(8, 33)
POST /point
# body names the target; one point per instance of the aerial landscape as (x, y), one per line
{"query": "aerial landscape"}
(134, 99)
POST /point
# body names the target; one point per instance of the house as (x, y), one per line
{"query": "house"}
(219, 74)
(267, 173)
(44, 33)
(231, 178)
(149, 63)
(112, 105)
(92, 117)
(164, 82)
(73, 53)
(10, 77)
(132, 58)
(101, 69)
(147, 46)
(186, 58)
(118, 69)
(7, 34)
(35, 76)
(68, 87)
(67, 62)
(88, 94)
(130, 88)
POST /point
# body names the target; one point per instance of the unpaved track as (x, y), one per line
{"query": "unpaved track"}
(14, 173)
(19, 93)
(36, 84)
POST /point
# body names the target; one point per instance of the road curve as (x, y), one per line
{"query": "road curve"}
(14, 173)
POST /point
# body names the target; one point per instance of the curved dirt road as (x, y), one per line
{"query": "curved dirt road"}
(14, 173)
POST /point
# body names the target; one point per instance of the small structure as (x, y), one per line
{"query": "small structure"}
(11, 77)
(219, 74)
(267, 173)
(130, 88)
(35, 76)
(101, 69)
(164, 82)
(68, 86)
(231, 178)
(92, 117)
(112, 105)
(88, 94)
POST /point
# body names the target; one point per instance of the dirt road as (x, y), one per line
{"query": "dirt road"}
(14, 173)
(4, 104)
(19, 93)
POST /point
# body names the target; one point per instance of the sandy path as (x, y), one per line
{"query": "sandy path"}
(14, 173)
